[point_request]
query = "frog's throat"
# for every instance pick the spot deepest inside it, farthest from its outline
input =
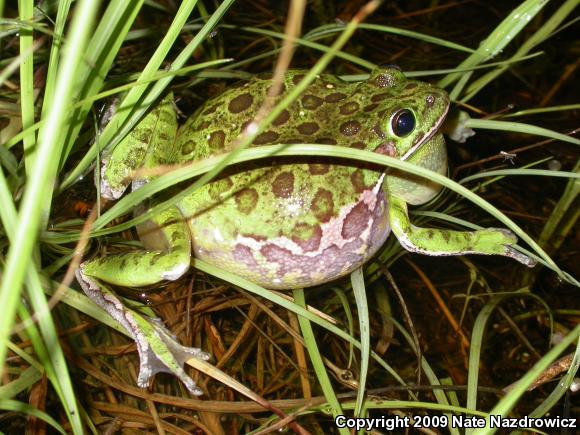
(432, 132)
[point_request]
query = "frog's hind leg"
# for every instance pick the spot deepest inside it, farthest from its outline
(429, 241)
(169, 261)
(158, 349)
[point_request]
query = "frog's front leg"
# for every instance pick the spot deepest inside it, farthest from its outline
(158, 349)
(490, 241)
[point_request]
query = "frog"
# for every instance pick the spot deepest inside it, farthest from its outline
(282, 223)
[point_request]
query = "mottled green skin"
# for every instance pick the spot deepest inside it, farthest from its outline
(301, 224)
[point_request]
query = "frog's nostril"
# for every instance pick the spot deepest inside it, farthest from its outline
(429, 100)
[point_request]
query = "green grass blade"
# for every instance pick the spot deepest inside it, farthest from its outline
(561, 388)
(538, 37)
(358, 287)
(26, 380)
(15, 406)
(502, 35)
(25, 9)
(507, 403)
(489, 124)
(317, 363)
(133, 106)
(44, 169)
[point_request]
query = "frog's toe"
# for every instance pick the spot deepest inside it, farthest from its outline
(518, 256)
(164, 354)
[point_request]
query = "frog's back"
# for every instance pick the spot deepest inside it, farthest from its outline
(330, 111)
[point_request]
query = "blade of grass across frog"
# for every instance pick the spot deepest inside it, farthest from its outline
(105, 42)
(326, 150)
(317, 362)
(489, 124)
(496, 41)
(360, 294)
(477, 335)
(542, 34)
(508, 402)
(131, 109)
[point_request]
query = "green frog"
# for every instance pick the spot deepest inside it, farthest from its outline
(287, 223)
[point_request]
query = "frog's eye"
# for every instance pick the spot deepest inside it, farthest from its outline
(403, 122)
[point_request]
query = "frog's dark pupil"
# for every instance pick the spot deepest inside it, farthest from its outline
(403, 122)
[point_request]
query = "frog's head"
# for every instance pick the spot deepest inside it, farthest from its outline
(411, 114)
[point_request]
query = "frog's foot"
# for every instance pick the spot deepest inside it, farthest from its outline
(510, 251)
(157, 347)
(440, 242)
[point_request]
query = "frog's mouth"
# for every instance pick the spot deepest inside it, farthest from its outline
(430, 134)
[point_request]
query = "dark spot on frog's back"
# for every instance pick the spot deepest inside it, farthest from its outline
(334, 97)
(283, 185)
(143, 134)
(202, 125)
(164, 136)
(282, 118)
(323, 205)
(410, 86)
(311, 102)
(370, 107)
(308, 128)
(356, 221)
(219, 187)
(350, 128)
(210, 110)
(217, 140)
(380, 97)
(246, 200)
(307, 236)
(318, 168)
(188, 147)
(155, 259)
(348, 108)
(241, 103)
(266, 138)
(358, 181)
